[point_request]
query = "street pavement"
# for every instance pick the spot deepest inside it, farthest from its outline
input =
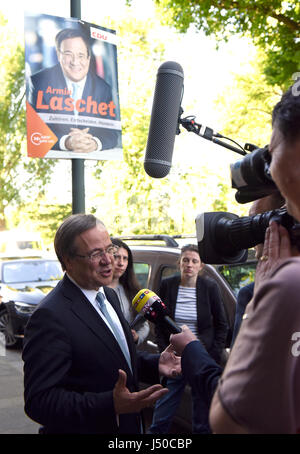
(12, 417)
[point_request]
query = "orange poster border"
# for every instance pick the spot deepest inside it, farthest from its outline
(40, 138)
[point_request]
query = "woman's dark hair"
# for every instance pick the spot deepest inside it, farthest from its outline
(190, 247)
(286, 113)
(128, 279)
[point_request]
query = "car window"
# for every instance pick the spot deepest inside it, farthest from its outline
(28, 244)
(31, 271)
(169, 271)
(142, 272)
(238, 275)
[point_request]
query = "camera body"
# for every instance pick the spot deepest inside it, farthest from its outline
(251, 176)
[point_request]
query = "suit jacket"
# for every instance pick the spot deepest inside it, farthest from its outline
(71, 362)
(211, 319)
(53, 79)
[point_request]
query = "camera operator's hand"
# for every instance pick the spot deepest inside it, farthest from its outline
(277, 247)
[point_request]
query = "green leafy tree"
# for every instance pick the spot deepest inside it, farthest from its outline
(273, 25)
(20, 176)
(139, 202)
(129, 201)
(220, 204)
(119, 192)
(245, 108)
(43, 217)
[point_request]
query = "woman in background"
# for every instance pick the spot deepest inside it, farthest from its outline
(194, 301)
(126, 286)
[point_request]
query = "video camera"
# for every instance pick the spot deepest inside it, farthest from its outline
(224, 238)
(251, 175)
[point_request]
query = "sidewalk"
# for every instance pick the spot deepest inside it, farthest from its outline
(12, 417)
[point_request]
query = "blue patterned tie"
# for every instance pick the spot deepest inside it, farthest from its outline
(102, 307)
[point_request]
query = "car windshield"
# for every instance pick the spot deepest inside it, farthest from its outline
(31, 271)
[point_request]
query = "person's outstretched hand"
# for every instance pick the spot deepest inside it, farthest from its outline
(127, 402)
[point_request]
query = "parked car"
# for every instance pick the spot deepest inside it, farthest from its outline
(155, 258)
(23, 284)
(19, 243)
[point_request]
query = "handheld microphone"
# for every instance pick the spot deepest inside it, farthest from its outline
(164, 123)
(136, 320)
(154, 310)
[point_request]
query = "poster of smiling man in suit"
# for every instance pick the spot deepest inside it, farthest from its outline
(72, 89)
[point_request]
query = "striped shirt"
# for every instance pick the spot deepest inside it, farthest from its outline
(186, 308)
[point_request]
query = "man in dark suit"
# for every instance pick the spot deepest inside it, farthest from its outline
(81, 369)
(74, 99)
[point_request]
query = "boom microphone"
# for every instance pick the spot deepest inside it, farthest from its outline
(164, 123)
(154, 310)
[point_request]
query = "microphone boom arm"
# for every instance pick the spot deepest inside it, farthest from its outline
(207, 133)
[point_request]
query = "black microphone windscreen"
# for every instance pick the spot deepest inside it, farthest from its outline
(164, 119)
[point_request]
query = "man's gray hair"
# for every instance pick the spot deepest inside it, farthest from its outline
(74, 225)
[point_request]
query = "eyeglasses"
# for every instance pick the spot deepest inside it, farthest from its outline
(96, 255)
(70, 56)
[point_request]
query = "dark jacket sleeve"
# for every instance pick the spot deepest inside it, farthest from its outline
(162, 334)
(200, 370)
(244, 296)
(219, 321)
(147, 365)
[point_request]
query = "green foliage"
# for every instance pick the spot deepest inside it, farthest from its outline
(220, 204)
(46, 219)
(139, 203)
(238, 276)
(123, 196)
(18, 173)
(272, 24)
(245, 108)
(126, 199)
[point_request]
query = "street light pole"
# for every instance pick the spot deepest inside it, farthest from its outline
(78, 189)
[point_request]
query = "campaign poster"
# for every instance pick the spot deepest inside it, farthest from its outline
(72, 96)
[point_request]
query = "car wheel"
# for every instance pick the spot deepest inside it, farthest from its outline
(5, 328)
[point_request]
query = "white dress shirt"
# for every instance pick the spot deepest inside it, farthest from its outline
(91, 296)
